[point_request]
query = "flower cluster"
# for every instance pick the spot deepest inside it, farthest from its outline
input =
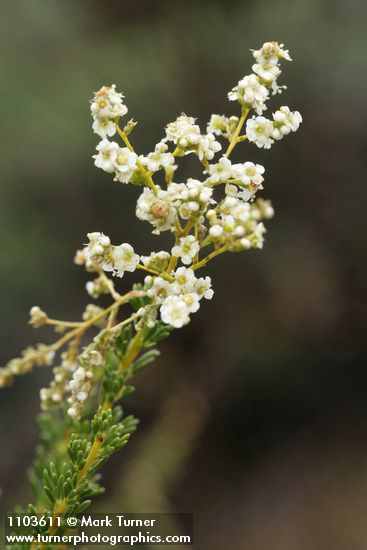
(80, 385)
(207, 215)
(38, 317)
(114, 159)
(54, 394)
(253, 91)
(247, 175)
(160, 159)
(263, 132)
(106, 108)
(199, 212)
(101, 253)
(220, 125)
(187, 137)
(180, 295)
(186, 249)
(250, 93)
(31, 357)
(267, 64)
(99, 286)
(237, 225)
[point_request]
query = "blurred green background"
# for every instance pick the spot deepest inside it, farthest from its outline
(254, 418)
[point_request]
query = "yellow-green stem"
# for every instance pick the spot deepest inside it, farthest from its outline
(145, 172)
(234, 139)
(210, 256)
(87, 324)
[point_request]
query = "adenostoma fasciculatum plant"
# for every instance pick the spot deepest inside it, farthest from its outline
(82, 424)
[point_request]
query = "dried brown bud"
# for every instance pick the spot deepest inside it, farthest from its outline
(159, 209)
(202, 231)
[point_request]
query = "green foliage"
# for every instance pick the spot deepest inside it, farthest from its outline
(143, 361)
(65, 473)
(59, 482)
(114, 380)
(158, 332)
(78, 450)
(122, 341)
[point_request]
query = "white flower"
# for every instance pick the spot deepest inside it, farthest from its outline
(117, 259)
(159, 159)
(158, 261)
(157, 209)
(177, 193)
(99, 286)
(185, 277)
(125, 165)
(175, 312)
(269, 51)
(192, 301)
(257, 237)
(183, 132)
(208, 146)
(249, 92)
(235, 210)
(221, 125)
(218, 125)
(222, 171)
(266, 66)
(98, 249)
(231, 190)
(215, 231)
(104, 127)
(108, 103)
(285, 121)
(181, 297)
(187, 249)
(124, 259)
(202, 287)
(260, 130)
(160, 288)
(107, 154)
(190, 198)
(248, 173)
(112, 158)
(195, 198)
(268, 71)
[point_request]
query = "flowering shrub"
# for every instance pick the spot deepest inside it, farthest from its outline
(207, 217)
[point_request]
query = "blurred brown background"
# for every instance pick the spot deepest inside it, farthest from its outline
(255, 416)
